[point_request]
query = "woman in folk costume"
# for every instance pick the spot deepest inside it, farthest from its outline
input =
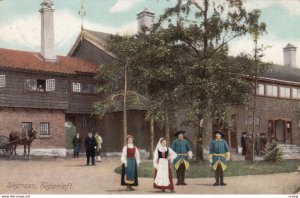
(218, 155)
(99, 142)
(162, 162)
(130, 161)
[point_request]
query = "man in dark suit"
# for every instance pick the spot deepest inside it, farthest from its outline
(243, 143)
(90, 146)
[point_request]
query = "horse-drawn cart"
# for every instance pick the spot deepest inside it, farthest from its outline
(6, 147)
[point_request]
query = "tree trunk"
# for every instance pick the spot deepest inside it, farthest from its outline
(199, 154)
(151, 138)
(167, 129)
(125, 105)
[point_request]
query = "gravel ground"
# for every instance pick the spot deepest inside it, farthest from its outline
(71, 176)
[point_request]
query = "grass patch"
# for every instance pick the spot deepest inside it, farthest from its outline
(235, 168)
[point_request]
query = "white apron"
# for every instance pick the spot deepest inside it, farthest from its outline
(162, 176)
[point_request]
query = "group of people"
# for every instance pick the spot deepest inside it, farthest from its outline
(92, 146)
(260, 143)
(177, 155)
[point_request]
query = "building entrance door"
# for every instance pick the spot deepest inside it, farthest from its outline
(281, 130)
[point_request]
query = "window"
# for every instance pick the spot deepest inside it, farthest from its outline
(260, 90)
(249, 120)
(285, 92)
(76, 87)
(40, 85)
(50, 85)
(272, 90)
(45, 129)
(26, 126)
(295, 93)
(2, 81)
(84, 88)
(88, 121)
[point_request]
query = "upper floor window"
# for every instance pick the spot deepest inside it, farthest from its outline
(272, 90)
(295, 93)
(260, 89)
(40, 84)
(285, 92)
(2, 81)
(79, 87)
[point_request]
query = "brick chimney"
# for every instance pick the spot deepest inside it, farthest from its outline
(289, 55)
(47, 31)
(145, 18)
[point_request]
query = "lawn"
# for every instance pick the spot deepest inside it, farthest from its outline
(235, 168)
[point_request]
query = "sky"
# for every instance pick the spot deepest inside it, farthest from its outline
(20, 23)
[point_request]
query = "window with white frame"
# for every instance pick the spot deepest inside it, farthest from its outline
(260, 89)
(2, 81)
(50, 85)
(45, 128)
(272, 90)
(284, 92)
(76, 87)
(295, 93)
(88, 88)
(40, 84)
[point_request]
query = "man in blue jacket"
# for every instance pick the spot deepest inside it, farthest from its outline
(218, 155)
(182, 149)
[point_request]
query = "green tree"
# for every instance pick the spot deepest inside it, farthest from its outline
(273, 152)
(213, 81)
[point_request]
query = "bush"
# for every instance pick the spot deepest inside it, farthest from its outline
(70, 131)
(273, 152)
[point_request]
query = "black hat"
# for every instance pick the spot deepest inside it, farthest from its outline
(244, 133)
(220, 132)
(179, 132)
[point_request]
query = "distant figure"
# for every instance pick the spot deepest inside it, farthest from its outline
(99, 142)
(257, 144)
(243, 143)
(76, 144)
(263, 143)
(90, 146)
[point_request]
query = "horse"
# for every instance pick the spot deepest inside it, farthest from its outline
(22, 139)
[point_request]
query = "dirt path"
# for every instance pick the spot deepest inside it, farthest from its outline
(71, 176)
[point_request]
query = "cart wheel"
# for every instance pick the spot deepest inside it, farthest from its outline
(6, 152)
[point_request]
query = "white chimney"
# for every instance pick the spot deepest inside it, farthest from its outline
(47, 31)
(289, 55)
(145, 19)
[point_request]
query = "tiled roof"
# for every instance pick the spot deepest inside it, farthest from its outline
(281, 72)
(26, 60)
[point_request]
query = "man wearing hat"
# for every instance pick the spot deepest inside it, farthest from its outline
(243, 143)
(90, 146)
(218, 155)
(182, 148)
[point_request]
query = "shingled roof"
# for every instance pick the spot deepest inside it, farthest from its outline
(32, 61)
(285, 73)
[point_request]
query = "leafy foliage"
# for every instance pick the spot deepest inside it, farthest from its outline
(273, 152)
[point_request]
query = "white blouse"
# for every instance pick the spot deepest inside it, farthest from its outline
(124, 154)
(172, 155)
